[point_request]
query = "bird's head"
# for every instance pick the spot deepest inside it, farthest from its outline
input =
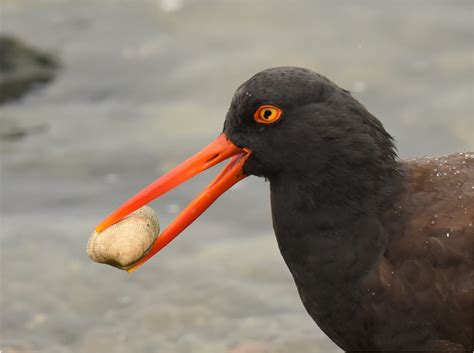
(294, 120)
(282, 121)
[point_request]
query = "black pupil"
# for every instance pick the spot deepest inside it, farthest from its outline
(267, 113)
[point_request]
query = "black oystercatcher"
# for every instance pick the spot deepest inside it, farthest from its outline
(381, 249)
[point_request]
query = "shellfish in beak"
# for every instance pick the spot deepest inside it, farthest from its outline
(124, 243)
(222, 148)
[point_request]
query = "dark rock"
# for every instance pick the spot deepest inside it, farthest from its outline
(22, 68)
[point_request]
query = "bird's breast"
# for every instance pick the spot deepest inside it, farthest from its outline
(327, 258)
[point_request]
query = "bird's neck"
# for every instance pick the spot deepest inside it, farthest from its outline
(331, 234)
(332, 226)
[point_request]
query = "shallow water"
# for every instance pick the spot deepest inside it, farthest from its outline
(145, 84)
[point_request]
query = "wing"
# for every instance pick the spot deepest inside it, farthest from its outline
(424, 283)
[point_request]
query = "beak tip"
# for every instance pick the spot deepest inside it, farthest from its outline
(132, 269)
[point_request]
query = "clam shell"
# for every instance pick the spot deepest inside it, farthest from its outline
(125, 242)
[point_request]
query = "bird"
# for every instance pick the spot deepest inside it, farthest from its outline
(380, 248)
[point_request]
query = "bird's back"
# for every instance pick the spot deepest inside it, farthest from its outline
(424, 283)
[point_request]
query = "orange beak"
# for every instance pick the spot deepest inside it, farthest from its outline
(220, 149)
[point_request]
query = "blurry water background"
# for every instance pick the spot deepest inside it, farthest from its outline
(143, 85)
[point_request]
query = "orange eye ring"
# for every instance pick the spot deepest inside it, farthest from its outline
(267, 114)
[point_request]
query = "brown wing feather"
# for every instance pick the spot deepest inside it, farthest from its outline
(425, 281)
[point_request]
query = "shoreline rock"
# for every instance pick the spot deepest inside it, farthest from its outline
(23, 68)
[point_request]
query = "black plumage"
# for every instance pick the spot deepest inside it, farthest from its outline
(381, 249)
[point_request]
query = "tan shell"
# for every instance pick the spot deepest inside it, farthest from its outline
(125, 242)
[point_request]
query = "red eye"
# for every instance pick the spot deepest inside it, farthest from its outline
(267, 114)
